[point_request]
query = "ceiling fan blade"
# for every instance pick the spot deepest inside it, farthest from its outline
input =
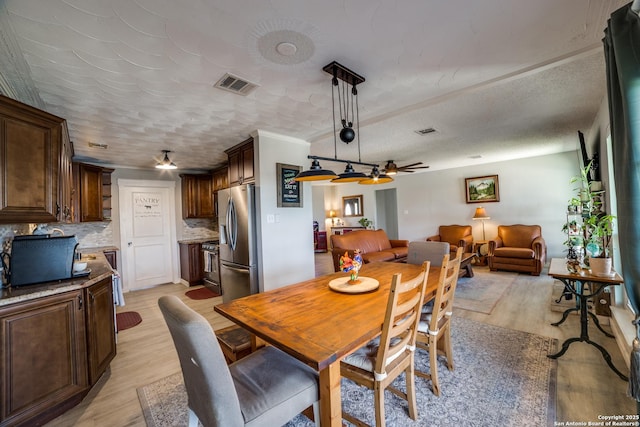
(417, 167)
(409, 166)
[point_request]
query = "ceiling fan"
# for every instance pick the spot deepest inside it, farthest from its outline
(391, 168)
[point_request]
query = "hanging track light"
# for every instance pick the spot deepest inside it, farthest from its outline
(348, 110)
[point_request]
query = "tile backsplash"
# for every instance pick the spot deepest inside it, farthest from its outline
(89, 234)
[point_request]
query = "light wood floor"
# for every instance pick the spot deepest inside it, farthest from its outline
(586, 386)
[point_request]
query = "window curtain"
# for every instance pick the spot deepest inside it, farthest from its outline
(622, 54)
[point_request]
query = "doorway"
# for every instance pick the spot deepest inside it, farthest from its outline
(387, 212)
(147, 233)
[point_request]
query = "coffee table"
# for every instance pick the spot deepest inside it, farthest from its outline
(465, 264)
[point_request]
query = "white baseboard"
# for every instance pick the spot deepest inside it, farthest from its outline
(623, 330)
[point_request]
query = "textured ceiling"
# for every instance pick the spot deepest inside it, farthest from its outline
(498, 79)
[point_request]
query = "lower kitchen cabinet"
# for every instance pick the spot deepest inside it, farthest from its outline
(192, 263)
(101, 334)
(44, 358)
(53, 350)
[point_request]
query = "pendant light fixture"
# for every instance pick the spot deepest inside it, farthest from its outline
(343, 83)
(376, 178)
(166, 163)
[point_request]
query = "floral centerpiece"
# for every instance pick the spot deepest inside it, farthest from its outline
(351, 265)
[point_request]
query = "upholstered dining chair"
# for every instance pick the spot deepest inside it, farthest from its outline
(266, 388)
(419, 252)
(434, 329)
(378, 363)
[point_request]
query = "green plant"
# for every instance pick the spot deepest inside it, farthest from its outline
(366, 223)
(600, 230)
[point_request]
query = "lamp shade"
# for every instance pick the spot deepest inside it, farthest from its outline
(349, 175)
(315, 173)
(166, 163)
(481, 213)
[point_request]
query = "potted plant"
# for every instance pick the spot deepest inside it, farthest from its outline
(600, 231)
(366, 223)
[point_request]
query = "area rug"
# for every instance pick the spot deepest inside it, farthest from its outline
(202, 293)
(501, 377)
(482, 292)
(127, 320)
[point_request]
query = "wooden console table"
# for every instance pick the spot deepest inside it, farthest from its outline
(575, 283)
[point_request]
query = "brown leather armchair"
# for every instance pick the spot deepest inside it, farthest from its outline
(518, 248)
(456, 235)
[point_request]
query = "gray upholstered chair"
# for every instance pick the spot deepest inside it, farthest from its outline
(436, 326)
(433, 252)
(381, 361)
(266, 388)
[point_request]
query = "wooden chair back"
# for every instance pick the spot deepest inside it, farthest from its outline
(401, 321)
(443, 305)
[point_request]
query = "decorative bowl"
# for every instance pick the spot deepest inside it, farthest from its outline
(79, 266)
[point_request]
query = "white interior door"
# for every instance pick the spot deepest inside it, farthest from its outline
(147, 231)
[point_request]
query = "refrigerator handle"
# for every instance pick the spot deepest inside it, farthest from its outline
(232, 224)
(236, 270)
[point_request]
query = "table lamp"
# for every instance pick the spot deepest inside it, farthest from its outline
(332, 215)
(481, 214)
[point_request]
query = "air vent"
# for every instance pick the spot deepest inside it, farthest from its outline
(235, 84)
(425, 131)
(96, 145)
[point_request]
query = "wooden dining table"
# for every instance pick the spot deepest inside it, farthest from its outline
(320, 326)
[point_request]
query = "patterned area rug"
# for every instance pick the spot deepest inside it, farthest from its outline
(202, 293)
(501, 377)
(482, 292)
(127, 320)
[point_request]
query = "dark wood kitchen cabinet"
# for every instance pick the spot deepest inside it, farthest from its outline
(197, 196)
(66, 178)
(43, 358)
(241, 168)
(92, 185)
(101, 334)
(192, 263)
(220, 178)
(30, 150)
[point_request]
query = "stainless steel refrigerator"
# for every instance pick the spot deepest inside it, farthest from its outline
(238, 251)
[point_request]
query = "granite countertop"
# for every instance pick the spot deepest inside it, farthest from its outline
(99, 267)
(199, 240)
(91, 250)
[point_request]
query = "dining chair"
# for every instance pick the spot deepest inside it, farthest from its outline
(433, 252)
(434, 329)
(381, 361)
(265, 388)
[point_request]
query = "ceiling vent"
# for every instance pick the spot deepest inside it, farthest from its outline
(235, 84)
(425, 131)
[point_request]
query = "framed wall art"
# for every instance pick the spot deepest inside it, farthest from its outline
(289, 191)
(482, 189)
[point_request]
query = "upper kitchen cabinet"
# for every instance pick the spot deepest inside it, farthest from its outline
(93, 189)
(220, 178)
(241, 163)
(66, 177)
(197, 196)
(30, 150)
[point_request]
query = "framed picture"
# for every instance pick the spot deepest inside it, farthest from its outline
(289, 191)
(352, 206)
(482, 189)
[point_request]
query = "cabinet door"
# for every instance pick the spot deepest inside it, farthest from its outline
(247, 163)
(101, 335)
(191, 263)
(112, 258)
(189, 192)
(235, 168)
(44, 357)
(205, 197)
(220, 179)
(66, 178)
(90, 193)
(30, 143)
